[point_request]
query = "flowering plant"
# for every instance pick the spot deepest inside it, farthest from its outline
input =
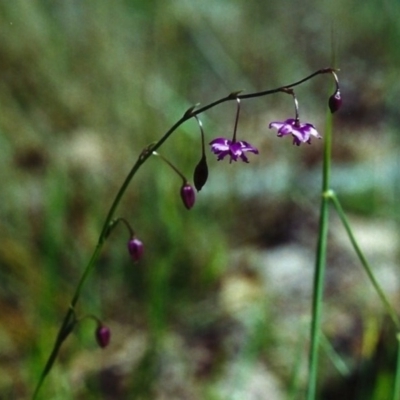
(236, 150)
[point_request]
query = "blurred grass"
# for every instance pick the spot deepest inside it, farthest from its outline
(84, 87)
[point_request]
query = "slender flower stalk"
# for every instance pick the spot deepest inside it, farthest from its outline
(236, 120)
(125, 222)
(295, 101)
(187, 193)
(320, 264)
(171, 165)
(69, 319)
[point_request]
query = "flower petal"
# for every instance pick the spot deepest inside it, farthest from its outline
(246, 146)
(286, 129)
(221, 141)
(276, 125)
(310, 129)
(222, 154)
(244, 158)
(298, 134)
(220, 144)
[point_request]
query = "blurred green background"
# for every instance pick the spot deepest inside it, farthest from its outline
(219, 306)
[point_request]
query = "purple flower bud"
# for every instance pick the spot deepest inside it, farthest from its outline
(103, 335)
(335, 101)
(135, 248)
(200, 174)
(188, 196)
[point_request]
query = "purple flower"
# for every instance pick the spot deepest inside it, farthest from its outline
(135, 248)
(301, 132)
(103, 335)
(187, 195)
(223, 147)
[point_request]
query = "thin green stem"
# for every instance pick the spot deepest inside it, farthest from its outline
(236, 120)
(319, 275)
(335, 358)
(69, 319)
(203, 149)
(389, 309)
(171, 165)
(65, 327)
(233, 96)
(68, 322)
(114, 223)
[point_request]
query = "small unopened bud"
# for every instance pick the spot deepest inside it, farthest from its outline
(103, 335)
(135, 248)
(200, 174)
(187, 195)
(335, 101)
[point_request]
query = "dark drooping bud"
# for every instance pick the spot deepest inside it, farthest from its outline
(187, 195)
(135, 248)
(103, 335)
(200, 173)
(335, 101)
